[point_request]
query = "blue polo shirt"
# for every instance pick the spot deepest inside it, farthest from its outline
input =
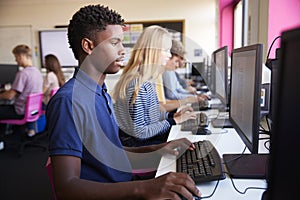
(81, 122)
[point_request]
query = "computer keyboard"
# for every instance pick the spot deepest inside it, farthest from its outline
(201, 105)
(222, 121)
(203, 164)
(200, 121)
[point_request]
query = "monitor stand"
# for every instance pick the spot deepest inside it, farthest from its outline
(246, 166)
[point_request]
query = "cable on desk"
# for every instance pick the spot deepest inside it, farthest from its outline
(262, 129)
(213, 192)
(268, 124)
(265, 144)
(248, 188)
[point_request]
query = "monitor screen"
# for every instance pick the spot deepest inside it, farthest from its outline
(244, 113)
(8, 73)
(221, 74)
(284, 151)
(56, 42)
(198, 69)
(246, 75)
(211, 77)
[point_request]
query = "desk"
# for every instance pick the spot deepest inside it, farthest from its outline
(228, 142)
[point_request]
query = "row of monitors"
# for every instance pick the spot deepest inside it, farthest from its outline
(239, 86)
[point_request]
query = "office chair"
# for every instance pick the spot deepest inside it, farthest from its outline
(144, 173)
(33, 111)
(49, 172)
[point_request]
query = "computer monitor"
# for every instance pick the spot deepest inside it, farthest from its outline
(221, 75)
(244, 113)
(285, 138)
(198, 71)
(211, 76)
(7, 73)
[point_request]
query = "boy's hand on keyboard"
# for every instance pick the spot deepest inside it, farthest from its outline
(171, 186)
(177, 147)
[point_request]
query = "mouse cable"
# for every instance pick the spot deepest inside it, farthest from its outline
(213, 192)
(247, 188)
(268, 124)
(265, 144)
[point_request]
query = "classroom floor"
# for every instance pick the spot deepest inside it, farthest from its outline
(25, 176)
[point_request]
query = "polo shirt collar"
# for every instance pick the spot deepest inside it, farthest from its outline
(85, 80)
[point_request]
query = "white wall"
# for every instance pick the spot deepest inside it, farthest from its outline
(199, 15)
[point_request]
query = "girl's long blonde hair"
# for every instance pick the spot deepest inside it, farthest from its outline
(145, 60)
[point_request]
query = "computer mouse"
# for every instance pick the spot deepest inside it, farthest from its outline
(195, 198)
(201, 131)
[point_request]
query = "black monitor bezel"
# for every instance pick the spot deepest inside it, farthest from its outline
(285, 129)
(10, 69)
(223, 99)
(252, 146)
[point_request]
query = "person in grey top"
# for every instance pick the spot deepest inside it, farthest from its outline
(172, 87)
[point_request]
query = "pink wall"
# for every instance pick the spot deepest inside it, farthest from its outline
(283, 15)
(226, 23)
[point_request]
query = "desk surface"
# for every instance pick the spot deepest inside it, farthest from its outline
(225, 141)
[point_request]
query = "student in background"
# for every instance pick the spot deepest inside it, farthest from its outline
(178, 49)
(137, 107)
(27, 81)
(87, 157)
(172, 87)
(54, 76)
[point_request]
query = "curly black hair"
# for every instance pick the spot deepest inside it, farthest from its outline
(87, 22)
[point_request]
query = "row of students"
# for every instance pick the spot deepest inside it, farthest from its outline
(141, 121)
(29, 80)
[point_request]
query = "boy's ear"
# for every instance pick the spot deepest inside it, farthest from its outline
(87, 45)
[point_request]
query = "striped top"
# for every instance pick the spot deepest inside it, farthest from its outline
(143, 119)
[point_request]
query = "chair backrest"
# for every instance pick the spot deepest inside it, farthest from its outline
(54, 90)
(33, 107)
(33, 110)
(49, 172)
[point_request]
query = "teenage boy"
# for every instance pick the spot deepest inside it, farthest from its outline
(87, 157)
